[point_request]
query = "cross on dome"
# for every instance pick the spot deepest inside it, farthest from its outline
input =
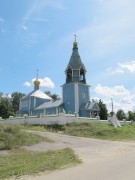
(37, 82)
(75, 43)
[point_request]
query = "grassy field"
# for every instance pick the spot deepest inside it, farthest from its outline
(20, 163)
(94, 130)
(100, 131)
(11, 136)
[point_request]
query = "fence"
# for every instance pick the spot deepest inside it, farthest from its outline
(59, 119)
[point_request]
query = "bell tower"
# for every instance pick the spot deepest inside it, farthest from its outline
(75, 90)
(75, 71)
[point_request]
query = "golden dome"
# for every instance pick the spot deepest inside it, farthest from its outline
(75, 44)
(36, 82)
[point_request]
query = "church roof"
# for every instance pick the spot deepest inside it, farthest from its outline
(38, 94)
(90, 106)
(50, 104)
(75, 59)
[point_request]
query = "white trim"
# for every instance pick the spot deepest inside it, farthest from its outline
(44, 111)
(34, 102)
(62, 92)
(76, 98)
(56, 110)
(89, 93)
(68, 84)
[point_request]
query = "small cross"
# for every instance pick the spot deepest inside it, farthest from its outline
(37, 73)
(75, 37)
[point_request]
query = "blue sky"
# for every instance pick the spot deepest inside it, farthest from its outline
(38, 34)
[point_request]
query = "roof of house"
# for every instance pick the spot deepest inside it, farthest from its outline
(50, 104)
(38, 94)
(90, 106)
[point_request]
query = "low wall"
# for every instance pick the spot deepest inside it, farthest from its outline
(59, 119)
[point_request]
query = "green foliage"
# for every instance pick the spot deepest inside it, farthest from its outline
(95, 130)
(11, 137)
(6, 109)
(16, 100)
(53, 96)
(9, 106)
(120, 114)
(103, 110)
(26, 162)
(131, 116)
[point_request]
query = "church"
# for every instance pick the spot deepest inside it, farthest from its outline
(75, 94)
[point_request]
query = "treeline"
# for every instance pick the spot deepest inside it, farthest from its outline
(9, 106)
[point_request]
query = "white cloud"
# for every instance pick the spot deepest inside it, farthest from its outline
(24, 27)
(113, 29)
(39, 6)
(1, 20)
(2, 25)
(114, 70)
(28, 84)
(128, 66)
(7, 96)
(111, 91)
(45, 82)
(122, 98)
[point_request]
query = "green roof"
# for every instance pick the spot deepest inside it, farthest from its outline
(75, 60)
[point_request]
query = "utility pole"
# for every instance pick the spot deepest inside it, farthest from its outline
(112, 105)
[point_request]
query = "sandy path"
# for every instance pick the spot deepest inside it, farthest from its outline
(102, 160)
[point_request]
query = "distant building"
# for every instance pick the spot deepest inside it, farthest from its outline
(75, 94)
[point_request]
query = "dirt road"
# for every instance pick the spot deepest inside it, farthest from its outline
(102, 160)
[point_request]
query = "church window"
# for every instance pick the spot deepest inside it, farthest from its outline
(69, 75)
(82, 75)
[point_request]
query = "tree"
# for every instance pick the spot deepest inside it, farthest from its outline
(6, 109)
(53, 96)
(120, 114)
(16, 100)
(103, 110)
(131, 116)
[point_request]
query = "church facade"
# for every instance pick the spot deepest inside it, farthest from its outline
(75, 94)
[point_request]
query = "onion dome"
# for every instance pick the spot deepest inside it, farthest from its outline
(36, 82)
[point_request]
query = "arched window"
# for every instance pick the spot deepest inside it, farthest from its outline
(69, 74)
(82, 75)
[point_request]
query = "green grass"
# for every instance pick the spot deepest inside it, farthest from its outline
(35, 128)
(11, 136)
(20, 163)
(94, 130)
(100, 131)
